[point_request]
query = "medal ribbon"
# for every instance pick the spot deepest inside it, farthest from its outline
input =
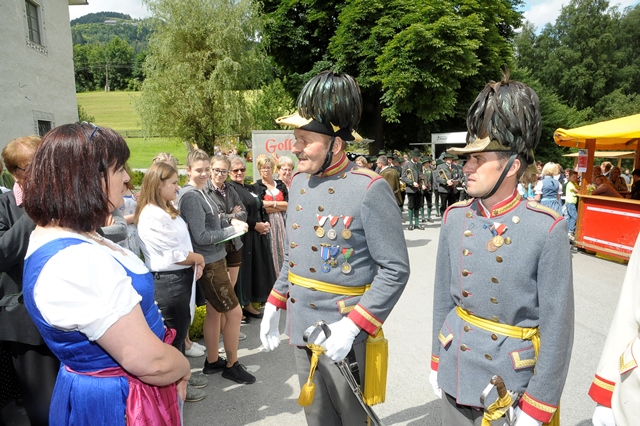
(324, 252)
(321, 220)
(333, 220)
(346, 220)
(498, 228)
(347, 252)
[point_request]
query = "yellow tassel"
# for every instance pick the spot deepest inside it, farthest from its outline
(308, 390)
(375, 375)
(496, 410)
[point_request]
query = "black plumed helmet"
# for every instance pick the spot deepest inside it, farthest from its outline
(504, 117)
(330, 103)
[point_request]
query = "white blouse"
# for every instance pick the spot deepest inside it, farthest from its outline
(163, 241)
(84, 287)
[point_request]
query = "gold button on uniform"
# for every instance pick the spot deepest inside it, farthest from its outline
(293, 245)
(298, 208)
(495, 318)
(515, 219)
(487, 356)
(320, 208)
(342, 176)
(465, 293)
(494, 300)
(466, 328)
(293, 300)
(465, 272)
(465, 252)
(499, 259)
(331, 191)
(291, 264)
(469, 215)
(295, 226)
(494, 337)
(507, 240)
(463, 347)
(494, 280)
(313, 270)
(312, 305)
(302, 191)
(314, 248)
(467, 233)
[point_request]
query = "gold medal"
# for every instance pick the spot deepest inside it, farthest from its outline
(319, 231)
(346, 268)
(490, 246)
(331, 233)
(346, 234)
(498, 241)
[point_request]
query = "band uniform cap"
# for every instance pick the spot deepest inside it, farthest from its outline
(427, 159)
(416, 153)
(447, 154)
(298, 122)
(400, 159)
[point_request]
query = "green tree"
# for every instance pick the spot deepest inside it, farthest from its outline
(419, 63)
(119, 60)
(202, 56)
(272, 101)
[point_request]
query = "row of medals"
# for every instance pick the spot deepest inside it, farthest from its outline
(332, 235)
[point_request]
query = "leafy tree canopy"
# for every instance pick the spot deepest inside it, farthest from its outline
(419, 63)
(202, 57)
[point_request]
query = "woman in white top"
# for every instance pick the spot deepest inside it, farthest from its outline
(164, 240)
(91, 299)
(166, 245)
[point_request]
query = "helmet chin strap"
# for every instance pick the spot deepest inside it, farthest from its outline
(327, 159)
(502, 176)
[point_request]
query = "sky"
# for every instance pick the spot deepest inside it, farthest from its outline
(539, 12)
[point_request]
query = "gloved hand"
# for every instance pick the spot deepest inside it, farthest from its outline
(603, 416)
(338, 345)
(523, 419)
(270, 327)
(433, 380)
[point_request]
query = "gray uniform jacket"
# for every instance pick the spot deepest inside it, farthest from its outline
(412, 172)
(527, 282)
(440, 172)
(379, 253)
(203, 220)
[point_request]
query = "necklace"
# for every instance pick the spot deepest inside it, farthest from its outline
(94, 236)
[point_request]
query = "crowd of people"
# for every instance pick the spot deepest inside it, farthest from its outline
(101, 282)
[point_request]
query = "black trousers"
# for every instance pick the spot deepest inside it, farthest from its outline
(446, 199)
(415, 200)
(429, 198)
(173, 293)
(37, 370)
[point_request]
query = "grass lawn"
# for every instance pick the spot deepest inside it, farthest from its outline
(143, 151)
(111, 109)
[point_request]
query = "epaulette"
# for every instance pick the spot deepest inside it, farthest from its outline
(365, 172)
(464, 203)
(537, 207)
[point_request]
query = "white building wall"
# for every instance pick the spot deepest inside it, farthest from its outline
(36, 80)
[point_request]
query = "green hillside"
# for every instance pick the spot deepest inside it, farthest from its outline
(115, 110)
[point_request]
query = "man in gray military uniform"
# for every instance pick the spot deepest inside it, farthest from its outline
(445, 176)
(503, 298)
(339, 267)
(414, 179)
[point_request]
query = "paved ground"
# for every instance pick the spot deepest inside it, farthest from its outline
(272, 400)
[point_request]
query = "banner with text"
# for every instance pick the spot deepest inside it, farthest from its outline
(275, 143)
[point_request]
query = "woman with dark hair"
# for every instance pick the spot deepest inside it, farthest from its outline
(92, 300)
(35, 365)
(256, 274)
(275, 196)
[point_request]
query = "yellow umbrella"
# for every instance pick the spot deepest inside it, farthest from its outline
(619, 134)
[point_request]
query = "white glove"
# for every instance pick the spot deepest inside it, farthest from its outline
(338, 345)
(523, 419)
(433, 380)
(270, 327)
(603, 416)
